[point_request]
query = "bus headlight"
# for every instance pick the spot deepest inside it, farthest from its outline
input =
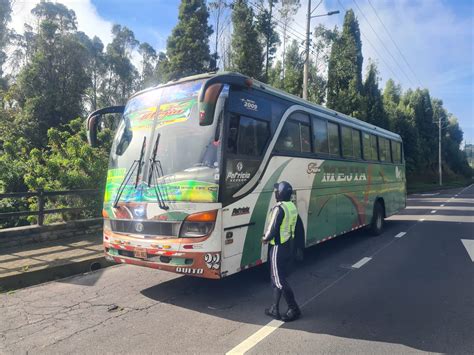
(198, 225)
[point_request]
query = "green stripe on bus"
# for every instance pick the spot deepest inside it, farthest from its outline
(253, 239)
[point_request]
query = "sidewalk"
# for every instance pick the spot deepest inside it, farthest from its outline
(40, 262)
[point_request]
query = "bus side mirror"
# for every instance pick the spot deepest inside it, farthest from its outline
(207, 103)
(94, 119)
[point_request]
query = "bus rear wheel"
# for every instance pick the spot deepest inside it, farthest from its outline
(376, 225)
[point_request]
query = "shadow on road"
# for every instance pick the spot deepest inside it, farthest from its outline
(366, 312)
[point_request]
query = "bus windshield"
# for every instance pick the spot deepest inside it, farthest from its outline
(187, 153)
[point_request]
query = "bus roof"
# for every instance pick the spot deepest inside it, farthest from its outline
(338, 116)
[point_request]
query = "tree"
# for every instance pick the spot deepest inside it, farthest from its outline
(97, 66)
(401, 121)
(293, 80)
(188, 44)
(246, 54)
(317, 78)
(218, 9)
(161, 68)
(51, 86)
(121, 76)
(267, 28)
(287, 11)
(345, 69)
(420, 102)
(5, 16)
(373, 110)
(149, 62)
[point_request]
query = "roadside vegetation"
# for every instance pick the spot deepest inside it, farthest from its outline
(52, 75)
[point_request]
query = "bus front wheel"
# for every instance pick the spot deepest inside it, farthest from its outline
(376, 225)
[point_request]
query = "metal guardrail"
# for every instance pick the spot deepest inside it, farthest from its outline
(42, 196)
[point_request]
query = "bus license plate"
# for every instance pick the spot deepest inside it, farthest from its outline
(140, 253)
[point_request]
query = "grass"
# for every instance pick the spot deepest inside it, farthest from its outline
(448, 183)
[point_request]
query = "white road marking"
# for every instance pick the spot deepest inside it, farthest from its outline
(469, 245)
(256, 338)
(442, 205)
(361, 263)
(434, 211)
(430, 194)
(401, 234)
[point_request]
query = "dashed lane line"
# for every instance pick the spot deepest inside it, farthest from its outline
(434, 211)
(361, 262)
(256, 338)
(401, 234)
(469, 245)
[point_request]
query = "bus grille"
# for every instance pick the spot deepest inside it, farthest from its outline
(149, 228)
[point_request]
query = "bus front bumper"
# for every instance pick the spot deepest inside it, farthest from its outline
(194, 263)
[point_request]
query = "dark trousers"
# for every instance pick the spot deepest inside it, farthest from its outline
(278, 257)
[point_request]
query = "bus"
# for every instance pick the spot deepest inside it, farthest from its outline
(193, 165)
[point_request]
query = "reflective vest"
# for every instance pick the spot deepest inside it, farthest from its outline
(288, 225)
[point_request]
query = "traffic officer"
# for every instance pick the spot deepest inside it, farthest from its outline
(279, 232)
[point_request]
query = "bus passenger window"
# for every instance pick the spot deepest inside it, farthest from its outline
(320, 134)
(247, 136)
(370, 146)
(333, 138)
(233, 131)
(289, 139)
(305, 138)
(397, 152)
(356, 143)
(373, 147)
(347, 147)
(384, 149)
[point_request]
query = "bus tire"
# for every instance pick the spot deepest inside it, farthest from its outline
(377, 223)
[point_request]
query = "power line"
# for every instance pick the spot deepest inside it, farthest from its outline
(393, 41)
(260, 8)
(382, 42)
(373, 47)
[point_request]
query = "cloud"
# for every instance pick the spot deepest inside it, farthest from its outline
(88, 20)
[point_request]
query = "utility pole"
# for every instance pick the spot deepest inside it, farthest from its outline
(268, 39)
(439, 154)
(307, 45)
(306, 60)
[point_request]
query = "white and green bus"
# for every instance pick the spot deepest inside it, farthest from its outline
(193, 164)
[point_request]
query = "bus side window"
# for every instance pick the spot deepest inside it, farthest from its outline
(397, 152)
(333, 138)
(370, 146)
(289, 139)
(247, 136)
(373, 148)
(305, 138)
(384, 149)
(356, 143)
(295, 135)
(233, 134)
(347, 145)
(320, 134)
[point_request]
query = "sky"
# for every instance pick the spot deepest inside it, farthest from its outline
(418, 43)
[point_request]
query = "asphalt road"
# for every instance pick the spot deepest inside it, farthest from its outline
(396, 293)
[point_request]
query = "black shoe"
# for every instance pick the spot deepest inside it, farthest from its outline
(291, 315)
(273, 312)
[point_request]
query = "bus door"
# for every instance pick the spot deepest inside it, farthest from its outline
(248, 132)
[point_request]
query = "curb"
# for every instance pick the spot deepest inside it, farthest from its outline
(31, 278)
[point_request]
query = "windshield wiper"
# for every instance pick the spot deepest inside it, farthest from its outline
(136, 164)
(156, 168)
